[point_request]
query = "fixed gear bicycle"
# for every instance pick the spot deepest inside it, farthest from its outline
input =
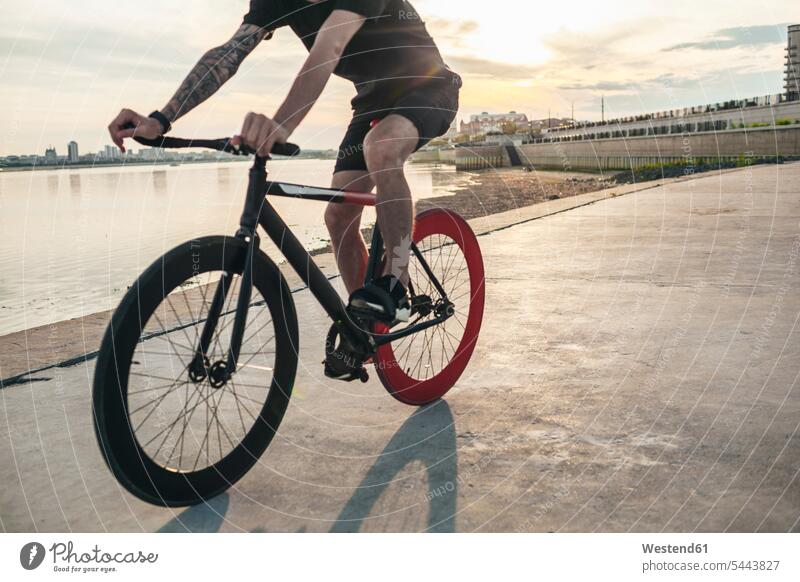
(197, 365)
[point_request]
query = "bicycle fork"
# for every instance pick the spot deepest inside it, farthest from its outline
(220, 372)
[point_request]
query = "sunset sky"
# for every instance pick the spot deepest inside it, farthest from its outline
(66, 67)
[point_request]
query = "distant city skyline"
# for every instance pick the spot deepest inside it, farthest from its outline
(69, 67)
(109, 151)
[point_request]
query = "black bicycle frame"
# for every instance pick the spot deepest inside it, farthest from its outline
(258, 211)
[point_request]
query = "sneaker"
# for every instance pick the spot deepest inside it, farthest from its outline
(384, 299)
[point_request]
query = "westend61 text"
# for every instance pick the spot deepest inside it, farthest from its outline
(65, 553)
(670, 549)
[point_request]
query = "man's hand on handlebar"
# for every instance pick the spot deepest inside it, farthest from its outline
(260, 133)
(146, 127)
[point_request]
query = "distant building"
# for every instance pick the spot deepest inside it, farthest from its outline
(152, 154)
(453, 131)
(484, 123)
(72, 152)
(779, 109)
(754, 112)
(548, 123)
(111, 153)
(50, 155)
(791, 83)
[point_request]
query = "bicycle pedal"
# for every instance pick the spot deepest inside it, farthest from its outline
(343, 361)
(346, 375)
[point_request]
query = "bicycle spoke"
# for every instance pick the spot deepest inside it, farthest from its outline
(425, 354)
(184, 425)
(258, 352)
(140, 374)
(174, 423)
(160, 398)
(464, 294)
(238, 406)
(149, 353)
(408, 348)
(247, 410)
(451, 256)
(191, 414)
(150, 389)
(170, 427)
(149, 414)
(242, 396)
(216, 419)
(180, 323)
(165, 336)
(421, 355)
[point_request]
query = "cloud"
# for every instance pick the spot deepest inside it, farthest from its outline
(604, 86)
(568, 55)
(453, 32)
(740, 36)
(478, 67)
(457, 28)
(653, 83)
(72, 50)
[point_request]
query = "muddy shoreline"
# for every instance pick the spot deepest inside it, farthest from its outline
(489, 192)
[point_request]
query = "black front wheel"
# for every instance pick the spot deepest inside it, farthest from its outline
(173, 436)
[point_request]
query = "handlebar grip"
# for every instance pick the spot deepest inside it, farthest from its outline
(286, 149)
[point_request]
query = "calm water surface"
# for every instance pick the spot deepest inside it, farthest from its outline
(74, 240)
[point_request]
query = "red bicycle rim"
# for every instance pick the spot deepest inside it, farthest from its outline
(399, 382)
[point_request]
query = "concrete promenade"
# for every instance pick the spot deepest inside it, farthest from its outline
(637, 371)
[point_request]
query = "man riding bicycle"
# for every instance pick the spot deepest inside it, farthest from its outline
(406, 96)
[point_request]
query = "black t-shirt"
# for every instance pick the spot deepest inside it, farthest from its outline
(391, 52)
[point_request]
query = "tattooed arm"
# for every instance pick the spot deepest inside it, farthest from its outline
(209, 74)
(213, 70)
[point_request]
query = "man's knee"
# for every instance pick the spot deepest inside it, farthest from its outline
(389, 144)
(334, 219)
(381, 157)
(341, 219)
(387, 150)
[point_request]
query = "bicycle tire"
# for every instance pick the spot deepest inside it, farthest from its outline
(402, 381)
(121, 449)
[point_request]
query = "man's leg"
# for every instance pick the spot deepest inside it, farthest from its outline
(344, 226)
(386, 148)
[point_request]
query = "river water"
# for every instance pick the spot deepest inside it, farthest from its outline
(74, 240)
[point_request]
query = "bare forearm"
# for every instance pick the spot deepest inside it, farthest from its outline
(305, 91)
(261, 132)
(212, 71)
(328, 48)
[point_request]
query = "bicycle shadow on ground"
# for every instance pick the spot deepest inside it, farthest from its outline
(204, 518)
(429, 436)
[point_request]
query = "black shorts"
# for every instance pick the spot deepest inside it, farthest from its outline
(431, 107)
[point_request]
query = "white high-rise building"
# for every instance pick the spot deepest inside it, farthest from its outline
(111, 153)
(72, 152)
